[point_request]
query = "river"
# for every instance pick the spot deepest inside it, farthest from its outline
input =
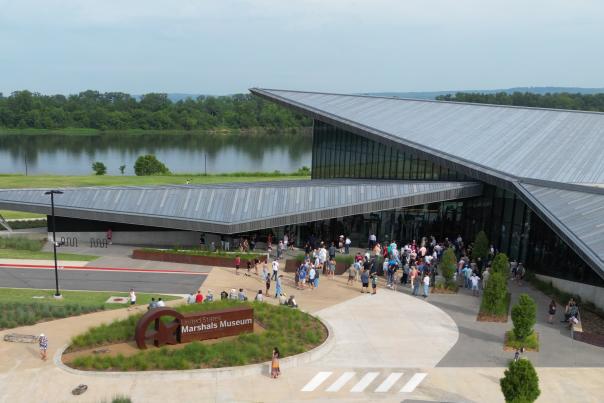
(186, 153)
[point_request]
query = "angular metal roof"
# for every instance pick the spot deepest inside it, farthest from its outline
(551, 158)
(236, 207)
(580, 212)
(516, 142)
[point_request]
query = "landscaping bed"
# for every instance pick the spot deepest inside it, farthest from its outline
(501, 317)
(15, 247)
(24, 224)
(199, 257)
(291, 330)
(23, 307)
(530, 344)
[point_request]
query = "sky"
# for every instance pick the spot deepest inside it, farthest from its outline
(227, 46)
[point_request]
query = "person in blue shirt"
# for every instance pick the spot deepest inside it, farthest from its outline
(365, 282)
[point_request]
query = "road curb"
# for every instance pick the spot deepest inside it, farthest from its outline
(210, 373)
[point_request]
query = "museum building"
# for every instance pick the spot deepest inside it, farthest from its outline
(532, 178)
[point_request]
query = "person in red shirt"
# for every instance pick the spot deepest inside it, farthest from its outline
(198, 298)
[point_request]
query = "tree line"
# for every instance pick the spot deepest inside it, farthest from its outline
(563, 100)
(154, 111)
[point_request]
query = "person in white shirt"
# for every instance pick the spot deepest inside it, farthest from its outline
(160, 303)
(347, 244)
(311, 277)
(275, 265)
(259, 296)
(474, 280)
(426, 282)
(132, 297)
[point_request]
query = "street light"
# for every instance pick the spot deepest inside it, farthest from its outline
(52, 194)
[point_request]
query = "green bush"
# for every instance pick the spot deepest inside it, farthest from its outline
(448, 266)
(21, 243)
(22, 314)
(121, 399)
(520, 383)
(501, 264)
(494, 297)
(524, 316)
(99, 168)
(480, 247)
(146, 165)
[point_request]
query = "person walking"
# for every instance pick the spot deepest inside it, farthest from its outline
(43, 345)
(268, 284)
(426, 282)
(275, 370)
(374, 284)
(474, 280)
(351, 275)
(237, 264)
(275, 266)
(132, 298)
(551, 311)
(278, 289)
(311, 277)
(347, 244)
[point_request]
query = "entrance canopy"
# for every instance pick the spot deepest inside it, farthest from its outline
(236, 207)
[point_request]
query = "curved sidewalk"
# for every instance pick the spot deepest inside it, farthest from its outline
(368, 331)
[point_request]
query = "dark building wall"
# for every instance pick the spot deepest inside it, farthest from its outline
(341, 154)
(510, 225)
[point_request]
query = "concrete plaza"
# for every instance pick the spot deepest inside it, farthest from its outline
(385, 347)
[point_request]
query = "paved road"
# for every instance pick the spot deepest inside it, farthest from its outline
(102, 280)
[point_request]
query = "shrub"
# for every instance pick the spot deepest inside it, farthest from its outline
(99, 168)
(520, 383)
(146, 165)
(122, 169)
(21, 243)
(501, 264)
(494, 297)
(480, 248)
(524, 316)
(448, 265)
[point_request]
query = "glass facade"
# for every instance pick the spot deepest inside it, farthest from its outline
(509, 223)
(338, 153)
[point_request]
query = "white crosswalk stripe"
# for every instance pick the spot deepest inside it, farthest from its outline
(415, 380)
(341, 381)
(389, 382)
(364, 382)
(316, 381)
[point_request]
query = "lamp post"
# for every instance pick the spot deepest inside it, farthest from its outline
(52, 194)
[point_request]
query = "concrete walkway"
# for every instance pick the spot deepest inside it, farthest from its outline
(388, 347)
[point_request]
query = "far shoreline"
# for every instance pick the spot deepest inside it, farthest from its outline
(252, 132)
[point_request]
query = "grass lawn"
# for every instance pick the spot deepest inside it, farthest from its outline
(19, 308)
(291, 330)
(17, 215)
(51, 181)
(41, 255)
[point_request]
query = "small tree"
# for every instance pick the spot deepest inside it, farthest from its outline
(501, 264)
(480, 248)
(122, 169)
(448, 265)
(520, 383)
(99, 168)
(494, 297)
(524, 316)
(149, 165)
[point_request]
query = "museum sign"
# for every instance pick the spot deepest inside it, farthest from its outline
(184, 328)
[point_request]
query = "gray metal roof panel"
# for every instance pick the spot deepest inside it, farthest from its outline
(579, 215)
(257, 205)
(554, 145)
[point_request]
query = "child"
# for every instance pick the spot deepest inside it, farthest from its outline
(374, 283)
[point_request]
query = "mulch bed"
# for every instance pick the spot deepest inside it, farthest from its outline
(485, 317)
